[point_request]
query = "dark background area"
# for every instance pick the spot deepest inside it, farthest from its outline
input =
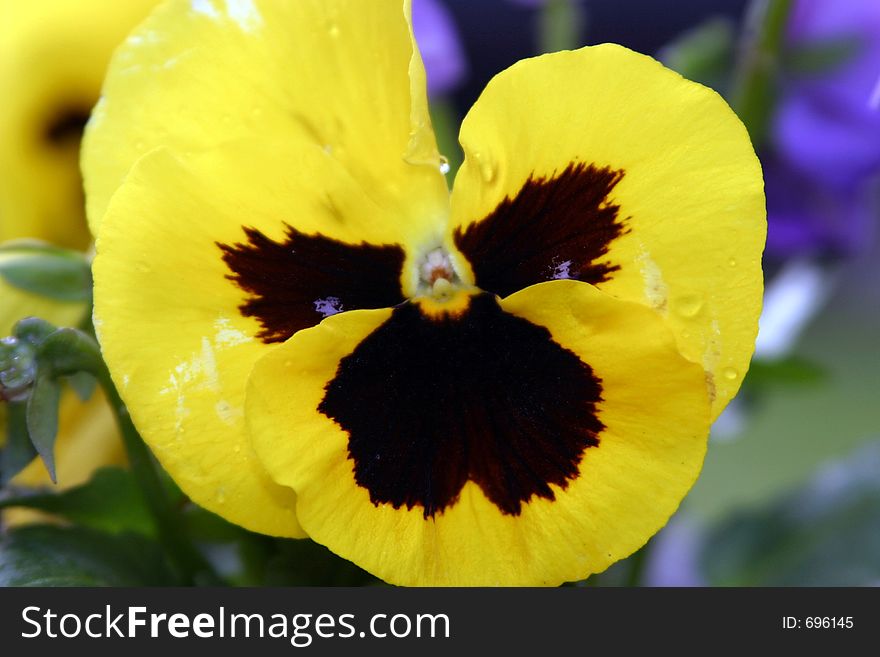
(497, 33)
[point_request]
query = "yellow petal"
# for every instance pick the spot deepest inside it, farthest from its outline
(340, 77)
(53, 54)
(600, 164)
(438, 395)
(169, 321)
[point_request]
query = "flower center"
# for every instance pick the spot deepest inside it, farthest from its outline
(438, 278)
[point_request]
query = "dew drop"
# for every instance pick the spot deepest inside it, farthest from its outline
(236, 449)
(333, 29)
(221, 497)
(487, 168)
(730, 374)
(689, 305)
(732, 262)
(444, 165)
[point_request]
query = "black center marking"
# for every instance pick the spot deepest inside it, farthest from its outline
(431, 403)
(66, 126)
(294, 284)
(555, 227)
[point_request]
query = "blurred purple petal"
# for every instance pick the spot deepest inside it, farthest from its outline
(826, 125)
(826, 141)
(674, 556)
(438, 42)
(809, 219)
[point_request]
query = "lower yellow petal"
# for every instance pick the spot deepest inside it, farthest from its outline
(653, 411)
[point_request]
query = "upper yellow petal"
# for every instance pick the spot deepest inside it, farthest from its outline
(682, 182)
(342, 76)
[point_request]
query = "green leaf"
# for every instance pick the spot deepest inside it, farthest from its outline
(83, 385)
(791, 371)
(703, 54)
(42, 418)
(48, 271)
(302, 562)
(111, 501)
(825, 534)
(19, 451)
(47, 555)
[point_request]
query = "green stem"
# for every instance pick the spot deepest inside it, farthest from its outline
(753, 91)
(72, 352)
(189, 562)
(637, 564)
(560, 25)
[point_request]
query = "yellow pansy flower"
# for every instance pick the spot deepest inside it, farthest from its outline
(511, 383)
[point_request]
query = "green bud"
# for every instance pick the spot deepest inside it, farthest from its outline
(18, 369)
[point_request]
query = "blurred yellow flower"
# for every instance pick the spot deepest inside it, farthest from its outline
(53, 56)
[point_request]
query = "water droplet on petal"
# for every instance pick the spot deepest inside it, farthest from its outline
(487, 167)
(732, 262)
(689, 305)
(730, 374)
(333, 29)
(444, 165)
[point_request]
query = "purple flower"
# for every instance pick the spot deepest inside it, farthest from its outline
(828, 122)
(442, 53)
(825, 140)
(815, 220)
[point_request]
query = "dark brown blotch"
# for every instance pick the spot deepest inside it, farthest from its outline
(430, 403)
(294, 283)
(556, 227)
(66, 126)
